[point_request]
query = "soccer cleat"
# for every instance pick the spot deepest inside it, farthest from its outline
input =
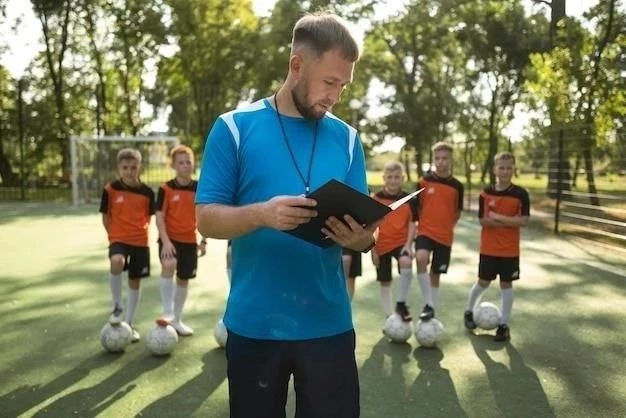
(428, 313)
(116, 315)
(182, 329)
(403, 311)
(136, 337)
(503, 333)
(468, 318)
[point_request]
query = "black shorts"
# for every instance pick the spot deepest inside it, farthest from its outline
(356, 267)
(383, 271)
(186, 259)
(136, 259)
(490, 267)
(324, 370)
(441, 253)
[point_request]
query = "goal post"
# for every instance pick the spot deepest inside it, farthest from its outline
(93, 162)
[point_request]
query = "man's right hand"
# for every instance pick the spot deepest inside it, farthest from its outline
(287, 212)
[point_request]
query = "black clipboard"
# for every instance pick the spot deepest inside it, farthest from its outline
(337, 199)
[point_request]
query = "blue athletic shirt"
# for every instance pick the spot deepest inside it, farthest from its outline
(282, 288)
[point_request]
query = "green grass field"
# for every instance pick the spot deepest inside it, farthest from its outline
(566, 357)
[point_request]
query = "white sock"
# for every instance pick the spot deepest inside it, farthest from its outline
(386, 299)
(507, 304)
(167, 295)
(474, 296)
(115, 282)
(180, 296)
(424, 281)
(404, 282)
(131, 305)
(434, 296)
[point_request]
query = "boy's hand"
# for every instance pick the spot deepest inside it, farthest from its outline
(202, 248)
(407, 250)
(168, 250)
(375, 258)
(353, 236)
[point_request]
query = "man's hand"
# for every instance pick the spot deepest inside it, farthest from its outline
(353, 236)
(287, 212)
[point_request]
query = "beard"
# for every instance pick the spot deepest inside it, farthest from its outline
(300, 102)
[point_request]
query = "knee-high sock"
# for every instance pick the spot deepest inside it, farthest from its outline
(131, 305)
(424, 281)
(507, 304)
(386, 299)
(404, 282)
(167, 295)
(434, 296)
(179, 302)
(474, 296)
(115, 282)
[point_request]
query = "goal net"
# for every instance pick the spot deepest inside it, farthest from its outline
(94, 162)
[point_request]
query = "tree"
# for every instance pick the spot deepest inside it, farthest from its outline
(55, 19)
(500, 38)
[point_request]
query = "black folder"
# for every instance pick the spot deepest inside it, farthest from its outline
(337, 199)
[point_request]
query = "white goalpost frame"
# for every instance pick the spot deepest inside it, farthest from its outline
(75, 155)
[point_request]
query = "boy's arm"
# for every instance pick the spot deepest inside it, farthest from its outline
(410, 236)
(497, 219)
(105, 222)
(104, 208)
(160, 216)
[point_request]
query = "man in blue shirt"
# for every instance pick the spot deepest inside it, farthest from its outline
(288, 311)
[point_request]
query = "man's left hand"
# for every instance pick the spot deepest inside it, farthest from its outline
(350, 234)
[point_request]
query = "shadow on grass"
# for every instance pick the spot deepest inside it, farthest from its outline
(91, 401)
(435, 386)
(382, 381)
(516, 389)
(188, 398)
(26, 397)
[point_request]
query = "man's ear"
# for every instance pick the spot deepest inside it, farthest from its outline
(296, 65)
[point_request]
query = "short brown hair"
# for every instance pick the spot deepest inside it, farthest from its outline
(392, 166)
(128, 154)
(442, 146)
(181, 149)
(323, 31)
(504, 155)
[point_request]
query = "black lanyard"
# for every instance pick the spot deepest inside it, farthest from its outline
(306, 182)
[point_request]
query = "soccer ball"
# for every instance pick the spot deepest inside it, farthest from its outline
(115, 337)
(162, 339)
(428, 333)
(487, 316)
(220, 333)
(397, 330)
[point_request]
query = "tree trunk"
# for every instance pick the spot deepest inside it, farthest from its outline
(557, 13)
(576, 169)
(593, 191)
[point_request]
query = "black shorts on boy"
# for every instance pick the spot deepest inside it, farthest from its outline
(186, 259)
(440, 253)
(136, 259)
(490, 267)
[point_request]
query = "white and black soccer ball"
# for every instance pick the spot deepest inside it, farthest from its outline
(220, 333)
(397, 330)
(487, 316)
(116, 337)
(161, 339)
(429, 333)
